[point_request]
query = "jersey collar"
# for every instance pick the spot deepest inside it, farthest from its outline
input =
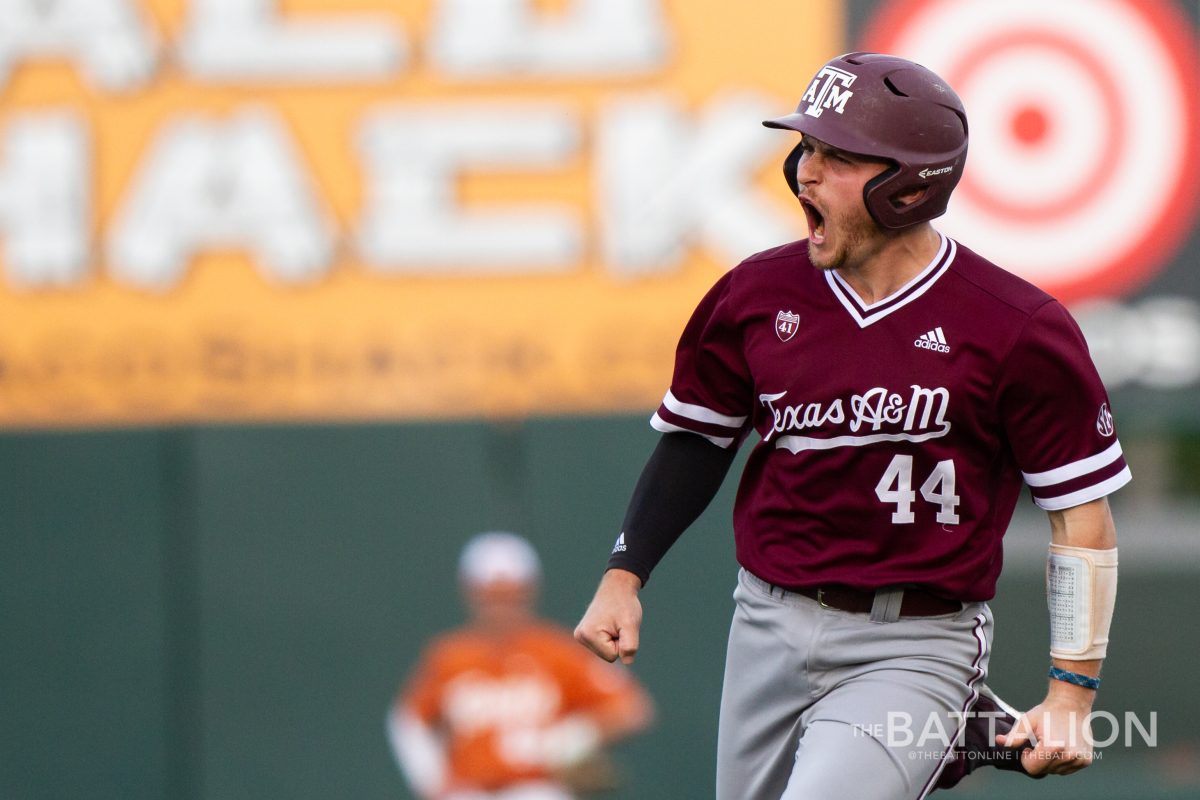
(865, 314)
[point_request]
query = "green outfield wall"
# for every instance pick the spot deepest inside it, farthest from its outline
(194, 614)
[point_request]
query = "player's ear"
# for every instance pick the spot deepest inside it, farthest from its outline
(909, 197)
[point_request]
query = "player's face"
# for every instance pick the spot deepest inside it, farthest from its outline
(501, 604)
(840, 231)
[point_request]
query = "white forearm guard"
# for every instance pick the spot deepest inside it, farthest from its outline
(1081, 590)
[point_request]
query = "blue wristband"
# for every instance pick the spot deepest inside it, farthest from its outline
(1086, 681)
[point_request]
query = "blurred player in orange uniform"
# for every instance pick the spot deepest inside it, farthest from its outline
(509, 706)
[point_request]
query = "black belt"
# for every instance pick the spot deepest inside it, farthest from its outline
(916, 602)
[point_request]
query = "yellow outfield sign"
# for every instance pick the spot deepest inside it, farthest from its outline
(350, 209)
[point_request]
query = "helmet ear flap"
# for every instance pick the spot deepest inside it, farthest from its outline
(789, 167)
(876, 196)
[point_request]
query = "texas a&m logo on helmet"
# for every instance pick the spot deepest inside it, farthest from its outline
(830, 89)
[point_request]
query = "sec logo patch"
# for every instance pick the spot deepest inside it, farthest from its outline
(1104, 422)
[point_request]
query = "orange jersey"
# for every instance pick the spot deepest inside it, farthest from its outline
(482, 692)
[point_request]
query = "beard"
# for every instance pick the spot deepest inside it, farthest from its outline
(851, 239)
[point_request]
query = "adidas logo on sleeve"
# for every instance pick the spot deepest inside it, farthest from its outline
(619, 547)
(933, 340)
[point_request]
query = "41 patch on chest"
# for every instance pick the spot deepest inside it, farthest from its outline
(786, 325)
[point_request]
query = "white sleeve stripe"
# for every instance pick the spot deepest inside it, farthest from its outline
(700, 413)
(1085, 495)
(661, 425)
(1075, 469)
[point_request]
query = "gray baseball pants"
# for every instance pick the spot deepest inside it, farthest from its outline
(822, 704)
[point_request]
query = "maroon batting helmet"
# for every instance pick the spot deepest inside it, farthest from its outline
(885, 106)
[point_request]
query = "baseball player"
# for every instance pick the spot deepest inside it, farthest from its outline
(902, 389)
(509, 706)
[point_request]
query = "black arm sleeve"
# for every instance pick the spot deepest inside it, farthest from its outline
(678, 482)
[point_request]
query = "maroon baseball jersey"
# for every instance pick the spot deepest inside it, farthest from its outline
(895, 436)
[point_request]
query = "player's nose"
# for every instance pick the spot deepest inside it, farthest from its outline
(808, 169)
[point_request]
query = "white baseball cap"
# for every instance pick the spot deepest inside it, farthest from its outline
(497, 556)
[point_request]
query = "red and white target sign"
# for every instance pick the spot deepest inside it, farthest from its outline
(1084, 162)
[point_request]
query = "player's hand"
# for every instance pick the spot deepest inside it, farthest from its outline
(1057, 733)
(593, 775)
(610, 625)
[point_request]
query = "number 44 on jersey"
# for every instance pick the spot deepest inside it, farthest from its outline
(896, 487)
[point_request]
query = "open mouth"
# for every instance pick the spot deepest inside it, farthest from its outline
(816, 222)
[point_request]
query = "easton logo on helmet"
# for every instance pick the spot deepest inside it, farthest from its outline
(928, 173)
(830, 89)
